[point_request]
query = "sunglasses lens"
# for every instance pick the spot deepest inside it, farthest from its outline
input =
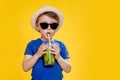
(54, 26)
(44, 25)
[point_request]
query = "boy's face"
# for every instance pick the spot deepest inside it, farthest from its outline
(45, 19)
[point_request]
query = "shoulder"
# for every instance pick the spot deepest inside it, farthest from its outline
(60, 43)
(35, 41)
(32, 46)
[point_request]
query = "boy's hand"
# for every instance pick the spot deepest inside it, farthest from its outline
(55, 50)
(41, 49)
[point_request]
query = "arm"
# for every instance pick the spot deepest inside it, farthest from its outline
(64, 63)
(29, 60)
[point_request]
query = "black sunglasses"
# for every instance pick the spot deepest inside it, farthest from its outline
(52, 25)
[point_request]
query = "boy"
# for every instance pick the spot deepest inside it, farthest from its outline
(46, 20)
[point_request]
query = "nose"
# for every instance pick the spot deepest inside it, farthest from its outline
(48, 27)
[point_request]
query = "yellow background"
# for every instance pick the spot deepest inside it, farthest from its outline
(90, 32)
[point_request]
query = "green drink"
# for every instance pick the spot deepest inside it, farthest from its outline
(48, 58)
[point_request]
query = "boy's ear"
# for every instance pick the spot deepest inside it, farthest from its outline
(37, 28)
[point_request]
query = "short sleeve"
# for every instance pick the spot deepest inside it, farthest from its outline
(29, 49)
(64, 51)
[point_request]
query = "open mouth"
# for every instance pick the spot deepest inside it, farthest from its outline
(48, 33)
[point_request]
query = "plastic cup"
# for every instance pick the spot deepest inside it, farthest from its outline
(48, 57)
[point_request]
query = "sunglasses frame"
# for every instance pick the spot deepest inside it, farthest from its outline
(45, 25)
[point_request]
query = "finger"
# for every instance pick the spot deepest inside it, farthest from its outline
(56, 46)
(53, 46)
(53, 50)
(52, 53)
(43, 52)
(43, 45)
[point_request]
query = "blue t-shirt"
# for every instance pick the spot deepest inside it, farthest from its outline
(40, 71)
